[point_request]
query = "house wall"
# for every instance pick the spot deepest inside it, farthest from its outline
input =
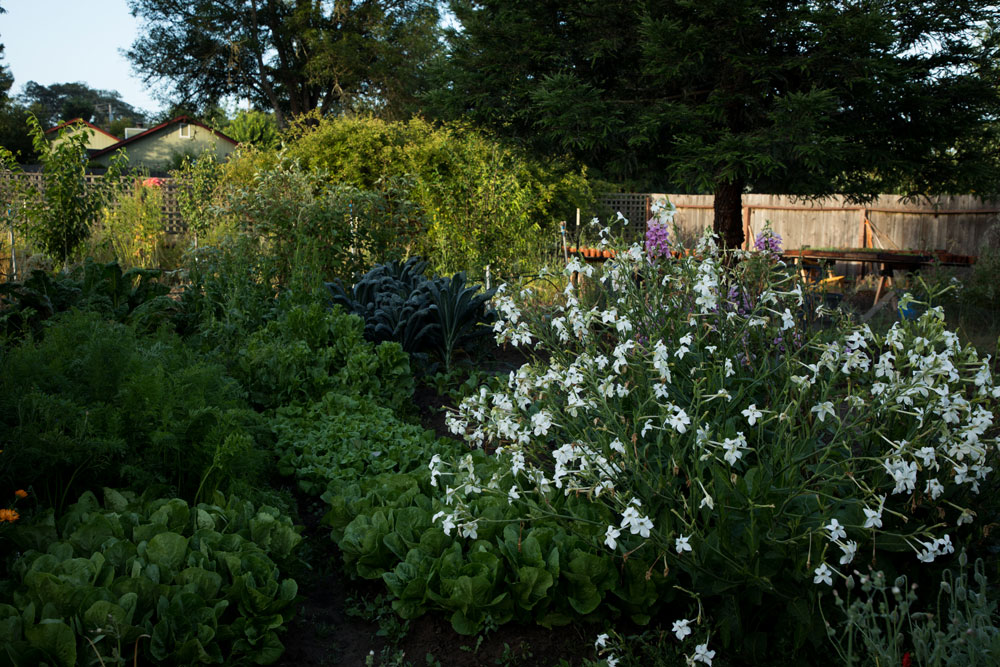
(96, 141)
(159, 150)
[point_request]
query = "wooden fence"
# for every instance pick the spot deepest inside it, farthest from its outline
(957, 224)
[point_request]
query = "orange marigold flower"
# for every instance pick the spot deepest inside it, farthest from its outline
(21, 493)
(9, 515)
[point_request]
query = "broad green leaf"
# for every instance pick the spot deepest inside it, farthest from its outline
(167, 550)
(56, 639)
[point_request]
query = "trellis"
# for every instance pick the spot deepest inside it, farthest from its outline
(633, 206)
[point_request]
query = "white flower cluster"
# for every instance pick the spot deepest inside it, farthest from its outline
(648, 363)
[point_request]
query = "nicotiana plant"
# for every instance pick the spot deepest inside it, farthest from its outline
(754, 444)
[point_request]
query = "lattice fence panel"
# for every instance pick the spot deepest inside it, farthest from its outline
(635, 208)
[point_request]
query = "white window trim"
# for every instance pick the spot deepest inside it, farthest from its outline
(185, 131)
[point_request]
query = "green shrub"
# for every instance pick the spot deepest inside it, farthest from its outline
(484, 203)
(67, 206)
(94, 404)
(137, 295)
(176, 584)
(307, 225)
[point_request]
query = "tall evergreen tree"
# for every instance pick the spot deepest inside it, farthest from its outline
(810, 98)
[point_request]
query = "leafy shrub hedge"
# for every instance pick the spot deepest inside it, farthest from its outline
(176, 584)
(448, 193)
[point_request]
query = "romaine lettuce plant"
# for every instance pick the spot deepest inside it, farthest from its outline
(175, 584)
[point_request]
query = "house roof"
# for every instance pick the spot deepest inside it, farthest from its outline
(162, 126)
(83, 122)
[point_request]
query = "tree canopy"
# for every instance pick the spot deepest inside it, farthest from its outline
(6, 78)
(810, 98)
(66, 101)
(287, 57)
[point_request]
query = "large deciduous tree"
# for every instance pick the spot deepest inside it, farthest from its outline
(288, 56)
(67, 101)
(809, 98)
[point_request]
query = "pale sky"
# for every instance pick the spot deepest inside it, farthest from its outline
(59, 41)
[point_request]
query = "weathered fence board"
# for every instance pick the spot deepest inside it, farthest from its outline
(953, 223)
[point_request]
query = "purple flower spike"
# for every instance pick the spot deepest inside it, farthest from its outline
(657, 239)
(769, 242)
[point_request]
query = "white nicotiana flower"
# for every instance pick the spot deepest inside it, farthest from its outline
(822, 575)
(787, 321)
(702, 654)
(681, 544)
(611, 536)
(903, 473)
(681, 628)
(734, 448)
(541, 422)
(601, 641)
(752, 414)
(837, 531)
(873, 518)
(849, 548)
(822, 410)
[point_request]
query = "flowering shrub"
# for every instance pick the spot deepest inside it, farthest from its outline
(748, 454)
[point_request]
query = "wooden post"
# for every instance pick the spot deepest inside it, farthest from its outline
(747, 212)
(861, 238)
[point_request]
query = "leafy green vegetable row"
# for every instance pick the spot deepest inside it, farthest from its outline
(345, 438)
(181, 585)
(540, 572)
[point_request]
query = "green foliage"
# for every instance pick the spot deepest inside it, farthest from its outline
(311, 228)
(309, 350)
(888, 622)
(484, 203)
(292, 57)
(397, 302)
(385, 528)
(196, 179)
(340, 439)
(179, 585)
(93, 403)
(231, 291)
(67, 205)
(722, 96)
(137, 296)
(132, 231)
(254, 127)
(59, 102)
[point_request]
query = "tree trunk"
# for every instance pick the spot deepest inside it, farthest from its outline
(728, 222)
